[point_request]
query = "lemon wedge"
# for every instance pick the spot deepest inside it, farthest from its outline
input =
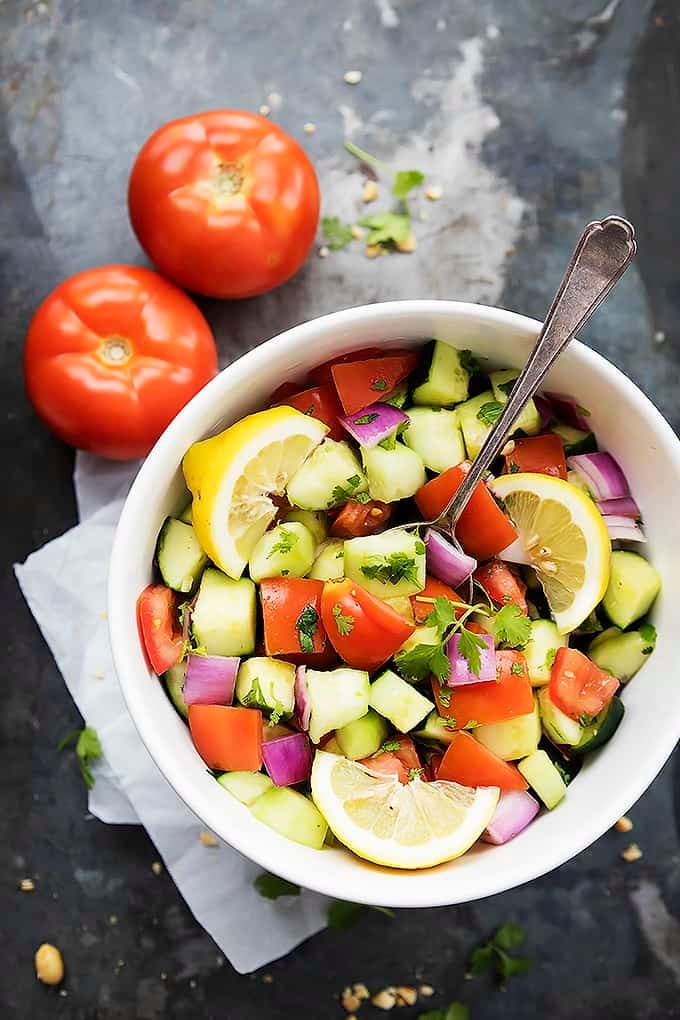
(565, 539)
(233, 475)
(416, 825)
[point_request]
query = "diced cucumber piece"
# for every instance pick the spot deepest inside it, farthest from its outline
(393, 474)
(187, 515)
(267, 683)
(512, 738)
(574, 440)
(529, 420)
(436, 729)
(543, 778)
(474, 430)
(387, 565)
(337, 697)
(180, 558)
(422, 635)
(575, 479)
(633, 585)
(174, 682)
(329, 564)
(224, 618)
(398, 701)
(621, 654)
(397, 398)
(568, 765)
(329, 477)
(291, 814)
(315, 521)
(540, 650)
(245, 786)
(402, 606)
(362, 737)
(287, 550)
(602, 728)
(604, 635)
(435, 435)
(559, 727)
(446, 381)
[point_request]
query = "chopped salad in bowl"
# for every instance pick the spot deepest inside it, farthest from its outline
(335, 673)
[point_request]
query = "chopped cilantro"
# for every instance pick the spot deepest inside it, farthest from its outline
(469, 644)
(254, 696)
(306, 627)
(517, 669)
(343, 621)
(346, 494)
(388, 745)
(387, 228)
(550, 658)
(365, 419)
(514, 467)
(87, 747)
(405, 181)
(423, 660)
(285, 573)
(471, 724)
(379, 384)
(414, 773)
(277, 714)
(490, 412)
(511, 626)
(336, 233)
(583, 410)
(648, 635)
(454, 1011)
(469, 362)
(419, 547)
(271, 886)
(388, 443)
(506, 387)
(445, 701)
(392, 569)
(495, 954)
(284, 545)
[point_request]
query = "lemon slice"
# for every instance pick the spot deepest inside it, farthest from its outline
(565, 538)
(233, 475)
(416, 825)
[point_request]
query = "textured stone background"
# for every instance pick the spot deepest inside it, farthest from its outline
(535, 116)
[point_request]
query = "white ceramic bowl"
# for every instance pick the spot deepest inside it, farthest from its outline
(625, 422)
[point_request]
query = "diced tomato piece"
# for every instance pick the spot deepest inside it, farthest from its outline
(489, 702)
(501, 584)
(284, 601)
(360, 383)
(542, 455)
(483, 529)
(326, 659)
(400, 761)
(434, 589)
(286, 389)
(358, 519)
(319, 402)
(469, 763)
(322, 373)
(363, 629)
(159, 625)
(578, 687)
(227, 738)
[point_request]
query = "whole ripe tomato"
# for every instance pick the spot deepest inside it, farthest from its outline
(112, 355)
(225, 203)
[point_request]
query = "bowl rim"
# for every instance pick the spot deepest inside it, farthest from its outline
(265, 852)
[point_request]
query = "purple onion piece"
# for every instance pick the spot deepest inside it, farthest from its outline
(372, 424)
(623, 507)
(601, 473)
(288, 760)
(210, 679)
(445, 562)
(303, 704)
(460, 668)
(623, 529)
(544, 408)
(566, 409)
(514, 811)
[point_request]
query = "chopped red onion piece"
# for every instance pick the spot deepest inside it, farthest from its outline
(372, 424)
(303, 705)
(210, 679)
(460, 667)
(544, 408)
(566, 409)
(514, 811)
(601, 473)
(445, 562)
(515, 553)
(288, 760)
(623, 529)
(623, 507)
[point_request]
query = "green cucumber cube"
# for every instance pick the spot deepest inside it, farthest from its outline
(287, 550)
(422, 635)
(446, 382)
(337, 697)
(436, 729)
(315, 521)
(633, 585)
(291, 814)
(474, 430)
(245, 786)
(512, 738)
(543, 778)
(329, 477)
(393, 474)
(329, 564)
(559, 727)
(181, 560)
(541, 648)
(399, 701)
(174, 682)
(402, 606)
(224, 618)
(529, 420)
(187, 515)
(621, 654)
(387, 565)
(267, 683)
(362, 737)
(435, 435)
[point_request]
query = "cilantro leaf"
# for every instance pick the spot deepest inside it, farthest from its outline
(514, 467)
(342, 914)
(271, 886)
(392, 569)
(286, 542)
(507, 965)
(494, 954)
(366, 419)
(388, 745)
(481, 960)
(346, 494)
(387, 228)
(442, 616)
(405, 181)
(277, 714)
(512, 626)
(440, 664)
(469, 644)
(336, 233)
(648, 635)
(379, 384)
(471, 724)
(469, 362)
(343, 621)
(550, 658)
(306, 626)
(422, 660)
(517, 669)
(87, 747)
(255, 695)
(490, 412)
(414, 773)
(506, 387)
(455, 1011)
(509, 936)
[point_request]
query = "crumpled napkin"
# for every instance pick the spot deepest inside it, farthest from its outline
(64, 584)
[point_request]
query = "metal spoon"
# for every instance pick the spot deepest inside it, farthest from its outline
(604, 252)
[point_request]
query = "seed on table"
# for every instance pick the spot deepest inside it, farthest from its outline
(434, 193)
(385, 999)
(309, 128)
(265, 110)
(352, 77)
(406, 996)
(632, 853)
(156, 867)
(324, 251)
(49, 965)
(358, 232)
(207, 839)
(27, 885)
(426, 990)
(624, 824)
(370, 192)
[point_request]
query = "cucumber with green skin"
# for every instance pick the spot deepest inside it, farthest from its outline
(633, 585)
(187, 515)
(529, 420)
(446, 382)
(559, 727)
(224, 618)
(329, 564)
(287, 550)
(331, 476)
(434, 434)
(174, 683)
(387, 565)
(540, 650)
(398, 701)
(602, 728)
(512, 738)
(435, 729)
(543, 777)
(245, 786)
(622, 653)
(393, 474)
(180, 557)
(337, 697)
(362, 737)
(268, 684)
(315, 521)
(574, 440)
(291, 814)
(474, 430)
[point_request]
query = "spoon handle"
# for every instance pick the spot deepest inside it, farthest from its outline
(604, 252)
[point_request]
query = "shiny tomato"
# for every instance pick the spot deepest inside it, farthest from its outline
(400, 761)
(227, 738)
(323, 374)
(469, 763)
(357, 519)
(488, 702)
(159, 625)
(364, 631)
(225, 203)
(483, 529)
(501, 585)
(112, 355)
(434, 589)
(291, 611)
(542, 455)
(578, 687)
(360, 383)
(319, 402)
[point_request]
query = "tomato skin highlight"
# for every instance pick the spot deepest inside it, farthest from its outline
(158, 623)
(469, 763)
(358, 519)
(360, 383)
(483, 529)
(489, 702)
(225, 203)
(375, 630)
(501, 585)
(542, 455)
(283, 600)
(112, 355)
(577, 686)
(318, 402)
(227, 737)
